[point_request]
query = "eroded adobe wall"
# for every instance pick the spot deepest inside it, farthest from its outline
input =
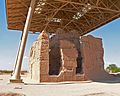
(93, 61)
(68, 56)
(34, 61)
(72, 39)
(58, 58)
(39, 58)
(68, 53)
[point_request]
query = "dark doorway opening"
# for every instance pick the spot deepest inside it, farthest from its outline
(54, 60)
(79, 68)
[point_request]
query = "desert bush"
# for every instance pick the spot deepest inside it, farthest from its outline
(113, 68)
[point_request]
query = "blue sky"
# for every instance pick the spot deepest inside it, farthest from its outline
(9, 42)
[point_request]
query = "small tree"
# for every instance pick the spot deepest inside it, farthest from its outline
(113, 68)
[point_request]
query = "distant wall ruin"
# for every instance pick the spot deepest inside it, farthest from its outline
(66, 57)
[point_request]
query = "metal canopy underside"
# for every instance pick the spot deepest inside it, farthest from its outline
(81, 15)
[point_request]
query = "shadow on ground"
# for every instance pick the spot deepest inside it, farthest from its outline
(112, 80)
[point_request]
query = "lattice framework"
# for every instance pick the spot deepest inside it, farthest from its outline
(81, 15)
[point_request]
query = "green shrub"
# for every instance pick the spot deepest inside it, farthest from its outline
(113, 68)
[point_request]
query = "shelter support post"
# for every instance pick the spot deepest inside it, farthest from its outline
(16, 78)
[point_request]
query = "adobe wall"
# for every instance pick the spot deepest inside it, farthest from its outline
(39, 58)
(58, 58)
(93, 54)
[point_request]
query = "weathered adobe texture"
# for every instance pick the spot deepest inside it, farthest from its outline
(93, 54)
(62, 57)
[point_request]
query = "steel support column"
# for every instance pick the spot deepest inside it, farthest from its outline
(16, 78)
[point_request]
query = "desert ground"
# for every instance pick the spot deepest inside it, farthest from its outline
(86, 88)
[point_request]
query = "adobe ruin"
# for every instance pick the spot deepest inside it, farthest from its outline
(83, 16)
(66, 57)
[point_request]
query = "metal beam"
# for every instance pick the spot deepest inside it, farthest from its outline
(16, 78)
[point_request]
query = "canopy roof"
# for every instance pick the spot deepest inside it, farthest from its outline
(81, 15)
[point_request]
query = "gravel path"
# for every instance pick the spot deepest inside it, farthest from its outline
(61, 89)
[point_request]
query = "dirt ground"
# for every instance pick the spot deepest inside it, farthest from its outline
(88, 88)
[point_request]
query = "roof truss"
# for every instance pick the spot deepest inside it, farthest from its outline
(80, 15)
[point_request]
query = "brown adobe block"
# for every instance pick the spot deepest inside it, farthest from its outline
(70, 64)
(53, 78)
(66, 44)
(70, 53)
(44, 78)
